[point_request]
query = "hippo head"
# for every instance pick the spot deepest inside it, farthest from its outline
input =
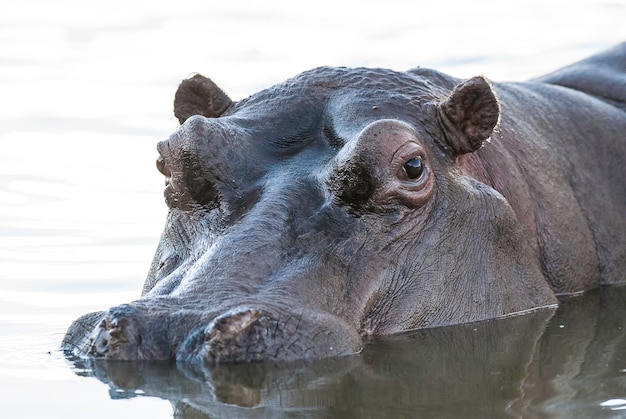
(319, 212)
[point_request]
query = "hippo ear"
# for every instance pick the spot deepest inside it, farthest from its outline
(469, 115)
(198, 95)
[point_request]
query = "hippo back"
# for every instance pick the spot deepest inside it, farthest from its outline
(602, 75)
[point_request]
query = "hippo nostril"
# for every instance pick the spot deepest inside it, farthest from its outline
(230, 326)
(117, 336)
(100, 346)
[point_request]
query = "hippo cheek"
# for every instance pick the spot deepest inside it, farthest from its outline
(248, 334)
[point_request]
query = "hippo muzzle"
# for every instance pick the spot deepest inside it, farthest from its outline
(241, 334)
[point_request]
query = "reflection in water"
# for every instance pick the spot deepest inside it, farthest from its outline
(571, 362)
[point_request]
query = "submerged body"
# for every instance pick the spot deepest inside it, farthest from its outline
(346, 203)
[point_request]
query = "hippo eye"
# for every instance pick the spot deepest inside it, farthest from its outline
(414, 168)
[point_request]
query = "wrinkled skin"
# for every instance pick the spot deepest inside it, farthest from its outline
(347, 203)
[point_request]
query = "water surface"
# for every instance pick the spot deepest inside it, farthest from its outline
(568, 363)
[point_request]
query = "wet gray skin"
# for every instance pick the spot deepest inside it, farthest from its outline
(348, 203)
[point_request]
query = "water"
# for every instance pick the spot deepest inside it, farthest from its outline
(565, 364)
(86, 92)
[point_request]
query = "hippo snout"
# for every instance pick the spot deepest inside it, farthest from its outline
(235, 336)
(123, 333)
(241, 334)
(249, 334)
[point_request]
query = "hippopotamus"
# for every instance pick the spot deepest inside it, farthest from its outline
(348, 203)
